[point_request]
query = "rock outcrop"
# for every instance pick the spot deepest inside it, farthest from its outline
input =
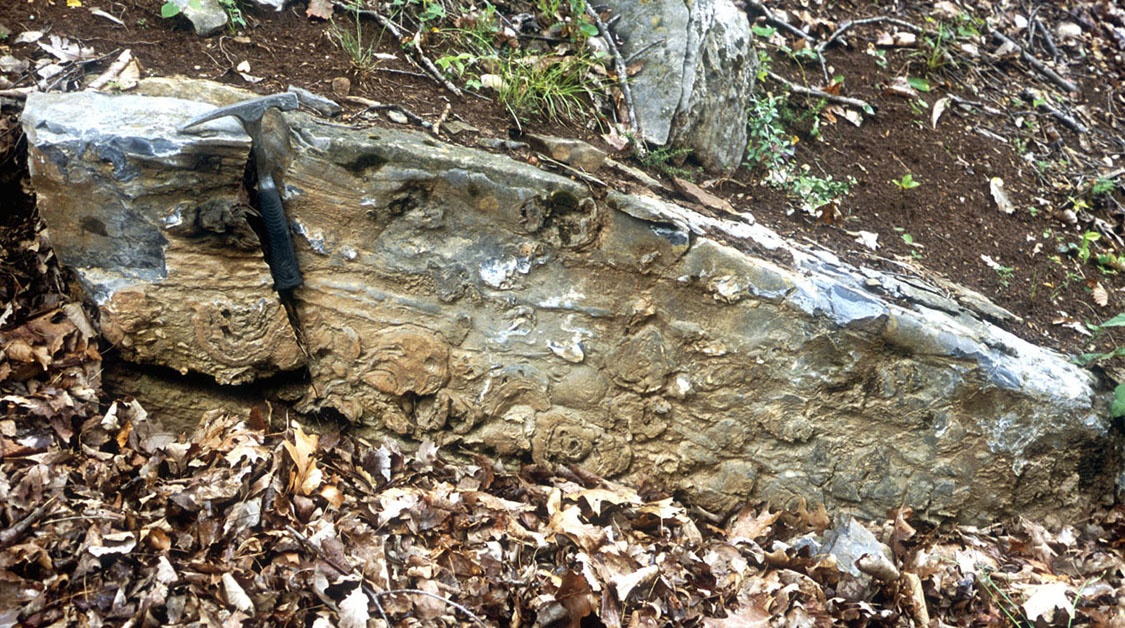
(703, 50)
(464, 296)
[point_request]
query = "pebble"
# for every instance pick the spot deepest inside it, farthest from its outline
(341, 86)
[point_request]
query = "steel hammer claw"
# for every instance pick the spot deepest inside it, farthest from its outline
(280, 256)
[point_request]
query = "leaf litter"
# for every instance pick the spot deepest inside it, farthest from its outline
(254, 518)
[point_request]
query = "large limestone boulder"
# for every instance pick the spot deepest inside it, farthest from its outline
(697, 77)
(477, 300)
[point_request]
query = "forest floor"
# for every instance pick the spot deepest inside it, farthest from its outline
(107, 520)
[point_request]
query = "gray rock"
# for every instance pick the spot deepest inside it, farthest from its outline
(696, 86)
(570, 151)
(276, 5)
(474, 299)
(207, 19)
(857, 552)
(320, 104)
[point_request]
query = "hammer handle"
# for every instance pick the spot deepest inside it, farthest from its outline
(281, 257)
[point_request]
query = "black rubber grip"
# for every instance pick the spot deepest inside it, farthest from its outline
(280, 255)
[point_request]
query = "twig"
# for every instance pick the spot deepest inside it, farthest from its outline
(397, 33)
(576, 172)
(1036, 63)
(403, 72)
(778, 22)
(975, 103)
(622, 74)
(17, 531)
(441, 119)
(844, 27)
(1068, 121)
(1048, 42)
(809, 91)
(644, 49)
(114, 69)
(430, 67)
(331, 562)
(448, 601)
(410, 115)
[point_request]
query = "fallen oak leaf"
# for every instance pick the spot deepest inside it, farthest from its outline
(1044, 602)
(236, 596)
(354, 611)
(306, 477)
(320, 9)
(996, 187)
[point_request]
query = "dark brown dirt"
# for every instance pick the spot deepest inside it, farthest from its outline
(951, 216)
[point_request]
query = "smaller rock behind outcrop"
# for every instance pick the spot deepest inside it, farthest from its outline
(698, 75)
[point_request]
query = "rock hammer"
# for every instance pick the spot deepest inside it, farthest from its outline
(280, 255)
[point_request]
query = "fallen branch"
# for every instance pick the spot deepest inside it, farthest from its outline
(23, 526)
(778, 22)
(430, 67)
(622, 73)
(113, 71)
(1043, 69)
(1048, 41)
(811, 91)
(845, 26)
(649, 46)
(1068, 121)
(441, 119)
(588, 178)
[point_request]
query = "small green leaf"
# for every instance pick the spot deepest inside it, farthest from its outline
(169, 9)
(1118, 407)
(763, 31)
(1116, 321)
(588, 30)
(921, 85)
(907, 238)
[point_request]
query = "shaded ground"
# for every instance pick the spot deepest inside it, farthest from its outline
(251, 517)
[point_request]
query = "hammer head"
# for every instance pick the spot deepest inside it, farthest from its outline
(250, 111)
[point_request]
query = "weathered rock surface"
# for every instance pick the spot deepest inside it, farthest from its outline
(152, 223)
(703, 51)
(465, 296)
(206, 16)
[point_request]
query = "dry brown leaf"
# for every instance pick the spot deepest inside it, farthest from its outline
(996, 187)
(747, 525)
(320, 9)
(1101, 297)
(353, 609)
(900, 86)
(306, 477)
(747, 616)
(236, 596)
